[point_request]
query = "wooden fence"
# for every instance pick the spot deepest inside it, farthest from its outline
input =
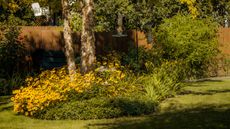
(46, 45)
(224, 41)
(223, 67)
(50, 39)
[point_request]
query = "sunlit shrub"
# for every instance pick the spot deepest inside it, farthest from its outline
(192, 40)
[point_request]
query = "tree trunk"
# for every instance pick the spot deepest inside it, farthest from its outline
(88, 58)
(69, 51)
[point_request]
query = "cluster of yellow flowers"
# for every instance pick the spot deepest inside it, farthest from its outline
(49, 87)
(109, 81)
(191, 6)
(110, 76)
(109, 70)
(52, 86)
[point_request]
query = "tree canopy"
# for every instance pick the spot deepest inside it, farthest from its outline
(137, 13)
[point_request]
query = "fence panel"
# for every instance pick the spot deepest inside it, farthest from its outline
(40, 40)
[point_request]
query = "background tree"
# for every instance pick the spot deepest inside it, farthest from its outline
(19, 10)
(137, 13)
(218, 9)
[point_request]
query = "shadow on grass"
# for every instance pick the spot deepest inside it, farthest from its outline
(7, 107)
(5, 103)
(208, 92)
(204, 80)
(202, 83)
(209, 80)
(209, 117)
(4, 100)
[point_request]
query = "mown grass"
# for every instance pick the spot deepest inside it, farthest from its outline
(201, 105)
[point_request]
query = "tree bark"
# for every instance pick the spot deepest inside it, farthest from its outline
(69, 51)
(88, 57)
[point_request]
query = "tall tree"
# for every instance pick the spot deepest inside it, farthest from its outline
(69, 51)
(88, 57)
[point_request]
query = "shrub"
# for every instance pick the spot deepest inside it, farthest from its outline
(191, 40)
(12, 58)
(12, 51)
(136, 59)
(10, 84)
(98, 108)
(164, 81)
(3, 88)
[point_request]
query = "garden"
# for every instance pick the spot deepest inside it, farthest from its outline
(163, 86)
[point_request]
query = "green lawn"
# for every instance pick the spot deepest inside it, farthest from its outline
(201, 105)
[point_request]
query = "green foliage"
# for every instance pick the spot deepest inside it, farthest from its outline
(12, 83)
(108, 92)
(76, 22)
(217, 9)
(151, 12)
(13, 21)
(98, 108)
(137, 14)
(12, 51)
(12, 56)
(135, 59)
(106, 12)
(193, 41)
(19, 9)
(164, 81)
